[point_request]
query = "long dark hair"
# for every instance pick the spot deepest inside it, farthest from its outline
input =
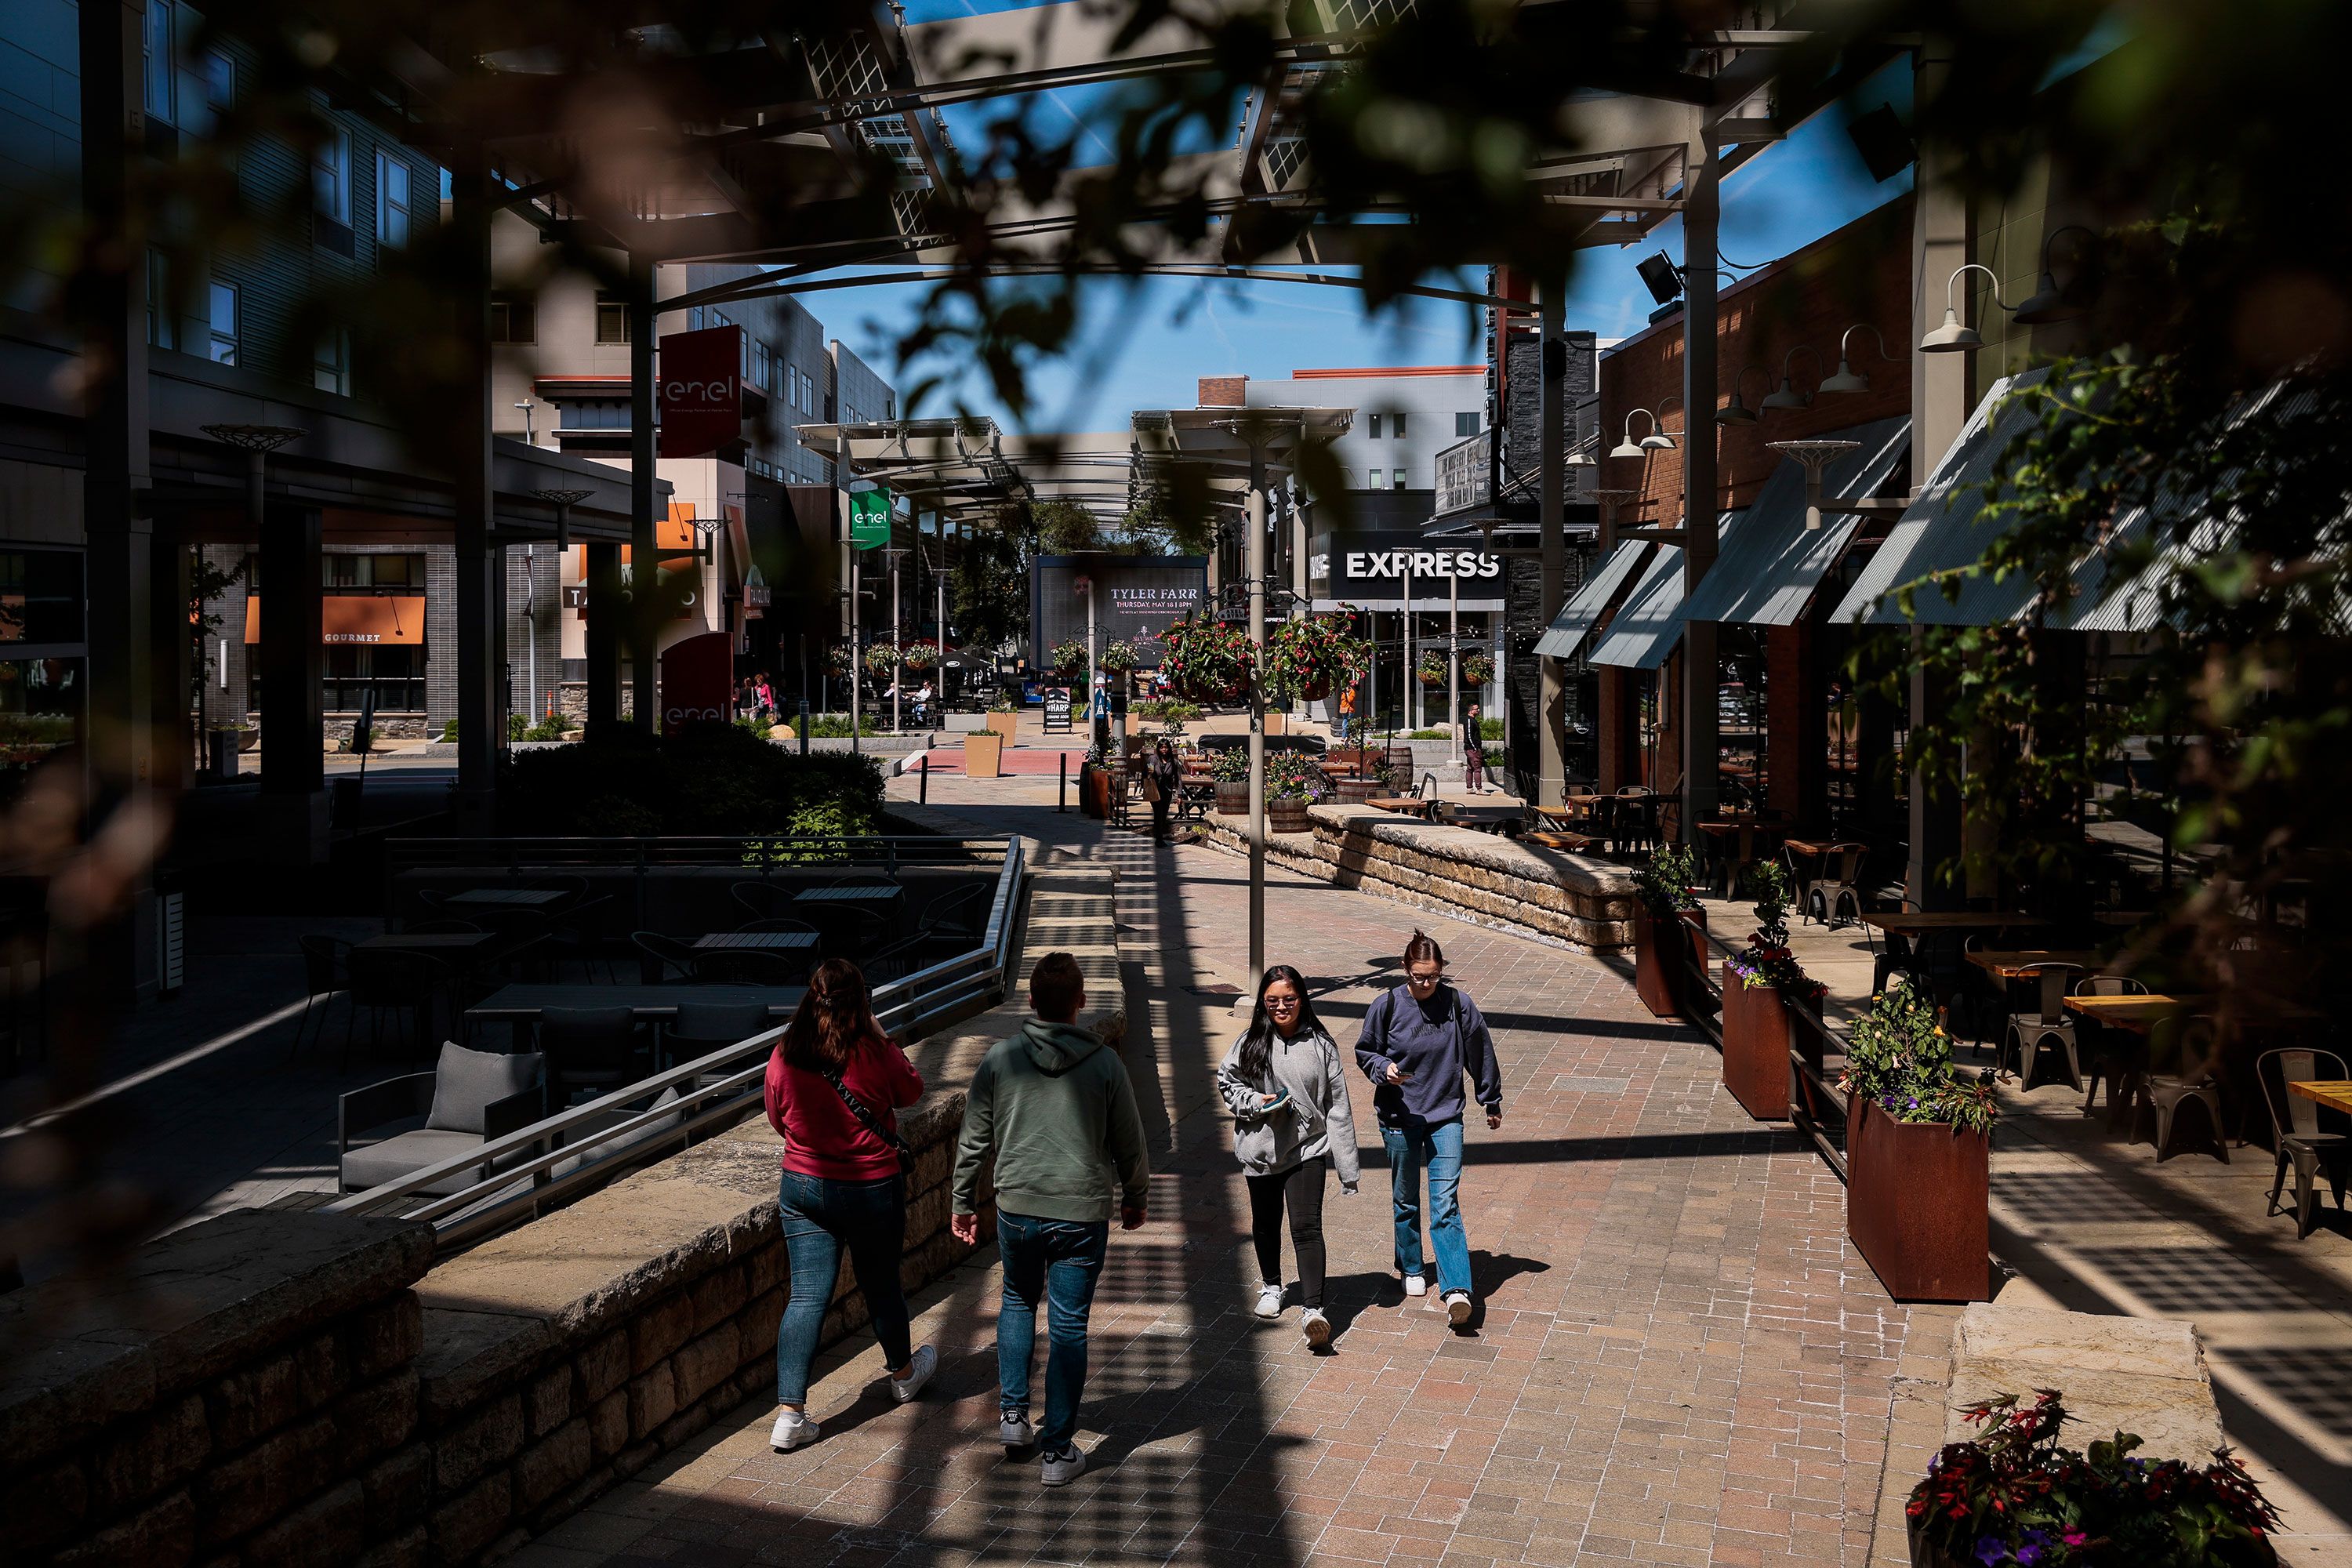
(833, 1022)
(1258, 1045)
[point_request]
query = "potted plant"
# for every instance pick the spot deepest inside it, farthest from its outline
(1293, 782)
(922, 656)
(1174, 715)
(1918, 1152)
(1208, 660)
(1120, 659)
(1759, 982)
(1665, 907)
(2014, 1496)
(1069, 659)
(1229, 766)
(1431, 668)
(1307, 658)
(881, 658)
(1005, 717)
(1478, 670)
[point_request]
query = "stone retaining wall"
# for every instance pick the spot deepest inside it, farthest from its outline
(287, 1386)
(1577, 898)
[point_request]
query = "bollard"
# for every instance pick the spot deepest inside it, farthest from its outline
(923, 783)
(804, 725)
(1062, 800)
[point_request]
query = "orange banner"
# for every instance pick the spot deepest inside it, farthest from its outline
(356, 618)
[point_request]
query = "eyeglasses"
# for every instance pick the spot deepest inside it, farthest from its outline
(1282, 1001)
(1432, 978)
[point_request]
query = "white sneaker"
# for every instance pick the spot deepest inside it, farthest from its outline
(792, 1430)
(1457, 1307)
(1015, 1432)
(1269, 1301)
(1316, 1327)
(1060, 1469)
(919, 1367)
(1414, 1285)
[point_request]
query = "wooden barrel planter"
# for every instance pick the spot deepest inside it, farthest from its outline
(1355, 792)
(1756, 1046)
(1233, 797)
(1916, 1202)
(1400, 760)
(1284, 813)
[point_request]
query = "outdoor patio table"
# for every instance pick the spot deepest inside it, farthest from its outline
(861, 893)
(507, 898)
(2334, 1093)
(437, 942)
(521, 1005)
(1919, 922)
(2138, 1014)
(2012, 963)
(1404, 804)
(762, 941)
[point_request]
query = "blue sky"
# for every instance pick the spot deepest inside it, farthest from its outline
(1144, 345)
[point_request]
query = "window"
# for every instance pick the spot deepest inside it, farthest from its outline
(1465, 425)
(330, 362)
(392, 204)
(1375, 479)
(220, 82)
(398, 571)
(1400, 425)
(223, 324)
(694, 318)
(393, 673)
(762, 366)
(159, 51)
(162, 332)
(330, 174)
(1396, 478)
(612, 318)
(514, 318)
(1374, 430)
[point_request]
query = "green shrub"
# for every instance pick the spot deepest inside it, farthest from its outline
(1490, 729)
(834, 727)
(517, 727)
(449, 732)
(714, 780)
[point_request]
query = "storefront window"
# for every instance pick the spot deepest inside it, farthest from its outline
(40, 596)
(40, 713)
(396, 676)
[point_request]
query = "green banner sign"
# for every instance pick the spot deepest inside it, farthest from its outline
(869, 519)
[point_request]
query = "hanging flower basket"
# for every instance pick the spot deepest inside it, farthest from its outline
(1306, 658)
(1478, 670)
(1120, 658)
(1432, 669)
(1069, 659)
(1208, 660)
(921, 656)
(837, 659)
(881, 657)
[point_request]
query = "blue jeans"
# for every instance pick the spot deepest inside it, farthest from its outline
(1438, 1147)
(1060, 1259)
(820, 1218)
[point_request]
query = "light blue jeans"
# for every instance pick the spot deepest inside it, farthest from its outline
(1437, 1147)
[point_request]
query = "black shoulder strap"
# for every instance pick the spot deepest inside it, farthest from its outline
(867, 1119)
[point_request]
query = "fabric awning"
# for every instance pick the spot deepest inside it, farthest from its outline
(1945, 529)
(1769, 572)
(365, 618)
(1648, 622)
(1592, 600)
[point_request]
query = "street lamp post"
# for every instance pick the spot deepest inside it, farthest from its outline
(1256, 569)
(897, 651)
(1453, 663)
(257, 442)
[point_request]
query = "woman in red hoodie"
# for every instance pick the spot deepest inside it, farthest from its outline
(835, 1083)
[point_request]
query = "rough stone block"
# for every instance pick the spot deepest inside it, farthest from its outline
(758, 1325)
(608, 1426)
(703, 1365)
(470, 1356)
(683, 1426)
(659, 1331)
(604, 1366)
(406, 1549)
(43, 1506)
(547, 1467)
(2145, 1375)
(324, 1370)
(717, 1299)
(159, 1537)
(458, 1530)
(264, 1481)
(551, 1400)
(635, 1457)
(397, 1490)
(489, 1438)
(376, 1419)
(145, 1457)
(385, 1336)
(245, 1406)
(769, 1267)
(653, 1399)
(328, 1528)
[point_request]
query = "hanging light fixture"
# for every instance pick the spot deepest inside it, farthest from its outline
(1657, 440)
(1629, 448)
(1847, 378)
(1736, 412)
(2048, 302)
(1952, 337)
(1788, 397)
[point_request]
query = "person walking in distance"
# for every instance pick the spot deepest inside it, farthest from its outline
(1288, 1091)
(836, 1082)
(1474, 753)
(1056, 1105)
(1419, 1041)
(1167, 776)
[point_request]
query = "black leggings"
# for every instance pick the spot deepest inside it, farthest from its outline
(1301, 1189)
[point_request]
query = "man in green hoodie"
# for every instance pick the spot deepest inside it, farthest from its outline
(1056, 1106)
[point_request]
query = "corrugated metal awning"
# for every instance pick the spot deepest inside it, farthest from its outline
(1769, 572)
(1649, 622)
(1592, 600)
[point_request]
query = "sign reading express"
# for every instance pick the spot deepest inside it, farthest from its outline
(699, 392)
(1373, 566)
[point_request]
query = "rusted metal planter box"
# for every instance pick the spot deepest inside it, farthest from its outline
(1657, 977)
(1756, 1046)
(1916, 1195)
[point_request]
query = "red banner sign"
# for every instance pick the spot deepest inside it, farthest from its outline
(698, 678)
(700, 391)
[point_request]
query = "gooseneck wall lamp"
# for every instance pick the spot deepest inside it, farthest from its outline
(1657, 440)
(1847, 379)
(2048, 302)
(1788, 397)
(1952, 337)
(1737, 411)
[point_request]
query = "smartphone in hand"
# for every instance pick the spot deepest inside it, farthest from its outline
(1280, 1101)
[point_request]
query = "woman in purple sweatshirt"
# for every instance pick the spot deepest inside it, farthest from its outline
(1419, 1040)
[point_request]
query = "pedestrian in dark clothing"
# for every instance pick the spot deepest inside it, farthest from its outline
(1419, 1041)
(1474, 753)
(1056, 1105)
(1167, 776)
(836, 1082)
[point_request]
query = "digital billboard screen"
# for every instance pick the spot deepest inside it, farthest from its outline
(1135, 596)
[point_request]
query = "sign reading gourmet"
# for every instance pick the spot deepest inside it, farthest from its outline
(1366, 567)
(700, 391)
(1134, 597)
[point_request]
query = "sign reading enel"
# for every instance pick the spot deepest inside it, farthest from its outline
(696, 677)
(699, 391)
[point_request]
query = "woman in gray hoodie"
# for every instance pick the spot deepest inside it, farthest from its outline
(1287, 1090)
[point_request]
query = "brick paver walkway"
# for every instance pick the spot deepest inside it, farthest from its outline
(1678, 1357)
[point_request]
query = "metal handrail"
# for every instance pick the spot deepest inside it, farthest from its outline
(524, 855)
(530, 1185)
